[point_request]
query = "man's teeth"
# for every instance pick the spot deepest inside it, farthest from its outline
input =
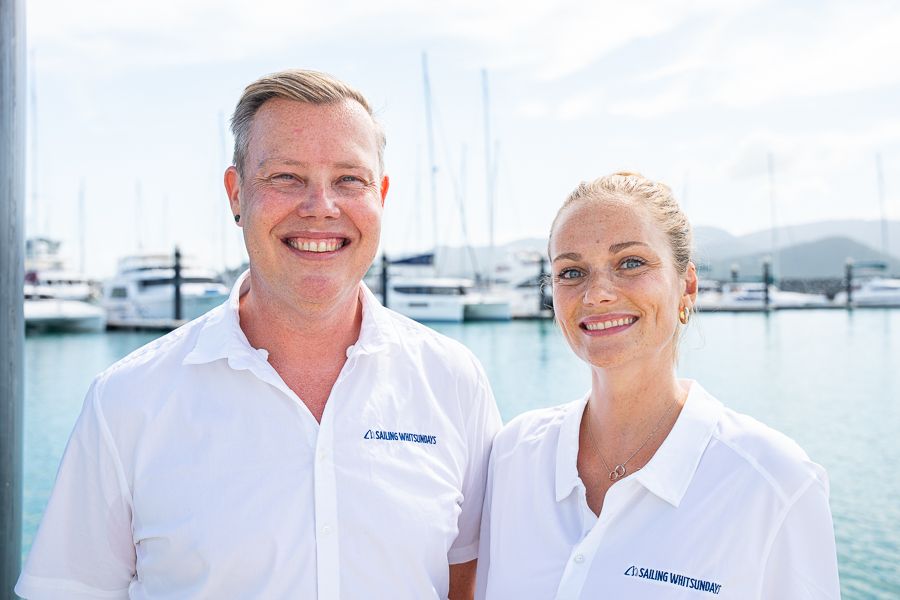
(608, 324)
(316, 245)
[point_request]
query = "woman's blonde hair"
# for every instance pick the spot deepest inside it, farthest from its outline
(656, 197)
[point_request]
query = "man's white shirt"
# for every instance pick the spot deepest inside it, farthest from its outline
(726, 508)
(195, 472)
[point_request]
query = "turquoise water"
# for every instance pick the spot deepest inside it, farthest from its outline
(829, 379)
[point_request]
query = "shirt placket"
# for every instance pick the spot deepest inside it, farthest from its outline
(583, 553)
(327, 546)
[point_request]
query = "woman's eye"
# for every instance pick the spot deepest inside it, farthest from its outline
(632, 263)
(569, 274)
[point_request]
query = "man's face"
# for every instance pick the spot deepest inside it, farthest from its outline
(310, 199)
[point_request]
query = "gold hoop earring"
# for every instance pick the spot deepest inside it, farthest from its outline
(684, 316)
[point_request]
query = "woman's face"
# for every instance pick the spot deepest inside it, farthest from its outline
(616, 290)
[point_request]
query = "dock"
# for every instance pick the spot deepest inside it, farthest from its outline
(144, 324)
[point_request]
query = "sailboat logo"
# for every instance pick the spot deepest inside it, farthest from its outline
(368, 435)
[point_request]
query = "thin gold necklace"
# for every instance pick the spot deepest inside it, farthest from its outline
(620, 469)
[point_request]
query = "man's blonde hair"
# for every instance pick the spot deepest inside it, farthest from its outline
(300, 85)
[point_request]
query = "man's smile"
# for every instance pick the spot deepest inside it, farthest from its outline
(316, 245)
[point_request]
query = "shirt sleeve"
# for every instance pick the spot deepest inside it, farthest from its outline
(484, 544)
(481, 427)
(802, 564)
(84, 547)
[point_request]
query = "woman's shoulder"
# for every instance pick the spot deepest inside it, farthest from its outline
(536, 429)
(767, 453)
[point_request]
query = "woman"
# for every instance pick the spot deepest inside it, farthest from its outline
(647, 487)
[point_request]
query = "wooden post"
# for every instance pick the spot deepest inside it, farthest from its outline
(543, 302)
(12, 280)
(766, 276)
(848, 274)
(177, 283)
(384, 279)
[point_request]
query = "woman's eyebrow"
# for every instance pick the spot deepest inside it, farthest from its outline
(622, 245)
(568, 256)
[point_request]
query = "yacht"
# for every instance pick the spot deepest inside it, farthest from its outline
(57, 299)
(48, 313)
(879, 292)
(429, 298)
(143, 289)
(739, 297)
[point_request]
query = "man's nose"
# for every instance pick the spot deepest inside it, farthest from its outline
(319, 200)
(600, 289)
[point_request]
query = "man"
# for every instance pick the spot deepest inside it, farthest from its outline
(300, 441)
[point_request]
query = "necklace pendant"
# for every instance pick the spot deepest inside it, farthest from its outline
(617, 473)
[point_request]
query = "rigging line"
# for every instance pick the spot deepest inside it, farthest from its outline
(458, 193)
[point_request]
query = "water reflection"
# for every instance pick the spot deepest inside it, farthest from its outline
(829, 379)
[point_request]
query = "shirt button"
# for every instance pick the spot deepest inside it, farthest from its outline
(326, 529)
(579, 558)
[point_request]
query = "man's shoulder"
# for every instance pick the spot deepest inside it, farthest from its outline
(418, 339)
(160, 355)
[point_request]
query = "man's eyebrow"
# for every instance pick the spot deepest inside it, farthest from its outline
(352, 165)
(622, 245)
(282, 161)
(299, 163)
(567, 256)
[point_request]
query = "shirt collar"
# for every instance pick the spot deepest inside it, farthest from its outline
(221, 335)
(567, 478)
(672, 468)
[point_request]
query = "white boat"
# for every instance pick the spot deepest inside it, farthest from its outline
(47, 313)
(520, 278)
(429, 298)
(488, 304)
(57, 299)
(143, 289)
(877, 292)
(738, 297)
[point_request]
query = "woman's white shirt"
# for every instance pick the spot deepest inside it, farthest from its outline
(726, 508)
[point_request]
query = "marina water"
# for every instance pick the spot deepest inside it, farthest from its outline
(829, 379)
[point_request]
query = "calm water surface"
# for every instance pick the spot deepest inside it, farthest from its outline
(829, 379)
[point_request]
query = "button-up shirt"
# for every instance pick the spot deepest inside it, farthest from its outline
(726, 508)
(195, 472)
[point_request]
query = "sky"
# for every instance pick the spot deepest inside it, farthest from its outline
(128, 132)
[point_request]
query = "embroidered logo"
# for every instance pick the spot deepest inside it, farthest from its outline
(673, 578)
(400, 436)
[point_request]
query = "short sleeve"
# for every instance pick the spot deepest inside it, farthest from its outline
(484, 544)
(802, 564)
(482, 425)
(84, 546)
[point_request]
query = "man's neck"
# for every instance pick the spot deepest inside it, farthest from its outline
(299, 331)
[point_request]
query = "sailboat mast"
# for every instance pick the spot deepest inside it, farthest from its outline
(35, 207)
(429, 128)
(488, 175)
(884, 229)
(222, 232)
(81, 230)
(771, 169)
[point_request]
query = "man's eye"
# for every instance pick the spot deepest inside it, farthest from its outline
(632, 263)
(283, 177)
(350, 179)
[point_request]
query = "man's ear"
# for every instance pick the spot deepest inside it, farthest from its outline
(233, 189)
(385, 184)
